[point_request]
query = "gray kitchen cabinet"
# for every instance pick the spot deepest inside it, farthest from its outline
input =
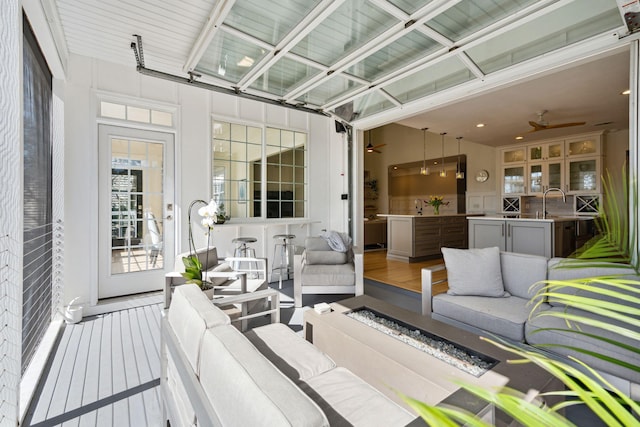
(526, 237)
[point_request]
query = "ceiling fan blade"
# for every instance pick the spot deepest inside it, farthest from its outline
(377, 151)
(566, 125)
(379, 145)
(537, 126)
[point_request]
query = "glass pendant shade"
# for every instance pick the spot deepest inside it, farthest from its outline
(443, 173)
(424, 170)
(459, 173)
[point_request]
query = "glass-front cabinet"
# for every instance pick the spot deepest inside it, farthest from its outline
(590, 146)
(548, 151)
(514, 155)
(583, 175)
(545, 175)
(513, 180)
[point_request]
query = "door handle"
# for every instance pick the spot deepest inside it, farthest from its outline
(169, 217)
(502, 230)
(508, 230)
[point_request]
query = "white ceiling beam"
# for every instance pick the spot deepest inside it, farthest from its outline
(464, 58)
(300, 31)
(390, 97)
(215, 19)
(47, 25)
(552, 62)
(506, 24)
(386, 38)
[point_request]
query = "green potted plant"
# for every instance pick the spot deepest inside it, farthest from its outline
(193, 269)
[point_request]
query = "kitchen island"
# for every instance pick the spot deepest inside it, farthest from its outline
(413, 238)
(549, 237)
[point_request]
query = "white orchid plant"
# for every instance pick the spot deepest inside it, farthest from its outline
(192, 264)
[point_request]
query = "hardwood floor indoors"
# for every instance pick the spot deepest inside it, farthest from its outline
(400, 274)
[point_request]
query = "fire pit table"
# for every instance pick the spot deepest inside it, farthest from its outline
(396, 349)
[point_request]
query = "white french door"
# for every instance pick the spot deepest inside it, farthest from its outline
(136, 200)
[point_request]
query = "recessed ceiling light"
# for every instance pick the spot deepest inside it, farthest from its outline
(519, 137)
(480, 125)
(625, 92)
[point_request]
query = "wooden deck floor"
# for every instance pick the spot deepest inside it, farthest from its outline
(403, 275)
(105, 372)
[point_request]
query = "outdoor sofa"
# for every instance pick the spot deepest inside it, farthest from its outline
(491, 293)
(212, 374)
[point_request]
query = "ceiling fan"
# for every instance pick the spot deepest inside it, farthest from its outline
(374, 148)
(542, 124)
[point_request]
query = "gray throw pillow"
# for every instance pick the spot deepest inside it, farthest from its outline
(474, 272)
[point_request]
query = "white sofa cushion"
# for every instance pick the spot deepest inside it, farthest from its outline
(246, 389)
(474, 272)
(190, 314)
(347, 400)
(295, 357)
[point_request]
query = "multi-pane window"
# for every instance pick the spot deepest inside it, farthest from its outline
(259, 172)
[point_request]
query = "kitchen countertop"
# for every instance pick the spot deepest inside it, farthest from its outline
(550, 218)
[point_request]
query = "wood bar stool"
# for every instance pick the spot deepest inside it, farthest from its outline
(282, 253)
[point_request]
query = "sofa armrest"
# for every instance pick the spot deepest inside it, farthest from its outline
(271, 294)
(427, 287)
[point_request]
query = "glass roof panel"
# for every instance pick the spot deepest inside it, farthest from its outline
(229, 57)
(353, 24)
(403, 51)
(562, 27)
(330, 89)
(443, 75)
(283, 76)
(469, 16)
(409, 6)
(366, 105)
(269, 24)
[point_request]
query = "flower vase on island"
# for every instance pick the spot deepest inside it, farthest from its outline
(436, 202)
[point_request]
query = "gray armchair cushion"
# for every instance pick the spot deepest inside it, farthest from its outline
(220, 268)
(325, 257)
(501, 316)
(553, 330)
(328, 275)
(560, 269)
(474, 272)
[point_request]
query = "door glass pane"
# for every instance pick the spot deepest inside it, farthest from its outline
(582, 175)
(136, 206)
(535, 178)
(555, 151)
(555, 175)
(578, 148)
(514, 180)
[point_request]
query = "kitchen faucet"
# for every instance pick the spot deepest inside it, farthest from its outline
(544, 200)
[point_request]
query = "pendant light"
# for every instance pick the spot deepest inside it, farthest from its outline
(443, 173)
(369, 146)
(459, 172)
(424, 170)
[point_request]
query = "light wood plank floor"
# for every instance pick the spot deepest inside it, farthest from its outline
(105, 372)
(400, 274)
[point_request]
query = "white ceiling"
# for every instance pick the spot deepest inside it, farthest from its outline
(589, 93)
(180, 35)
